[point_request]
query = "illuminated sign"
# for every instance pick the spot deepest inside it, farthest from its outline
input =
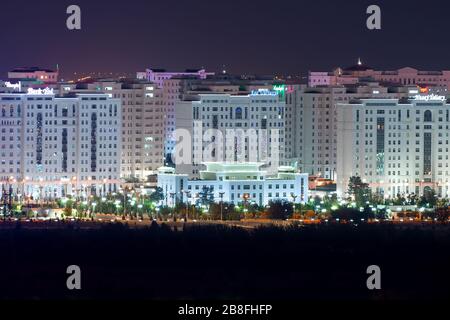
(40, 91)
(264, 92)
(15, 86)
(430, 97)
(281, 89)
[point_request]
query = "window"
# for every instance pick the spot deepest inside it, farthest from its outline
(427, 116)
(238, 113)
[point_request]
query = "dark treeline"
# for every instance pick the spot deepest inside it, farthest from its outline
(309, 262)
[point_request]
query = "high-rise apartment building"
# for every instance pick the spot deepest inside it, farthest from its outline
(311, 122)
(143, 123)
(397, 146)
(52, 147)
(230, 128)
(180, 87)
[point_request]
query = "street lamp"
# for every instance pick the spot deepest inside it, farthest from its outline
(221, 205)
(293, 196)
(172, 195)
(194, 207)
(94, 204)
(246, 196)
(140, 209)
(187, 193)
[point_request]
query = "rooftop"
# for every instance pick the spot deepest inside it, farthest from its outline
(31, 69)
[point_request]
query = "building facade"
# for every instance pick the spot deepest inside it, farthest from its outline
(143, 123)
(311, 122)
(234, 183)
(158, 76)
(396, 146)
(52, 147)
(404, 76)
(45, 75)
(179, 88)
(224, 127)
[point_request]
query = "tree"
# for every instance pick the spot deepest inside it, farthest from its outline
(157, 195)
(68, 209)
(442, 214)
(254, 210)
(428, 198)
(279, 209)
(359, 190)
(412, 199)
(377, 198)
(228, 211)
(207, 196)
(382, 214)
(164, 212)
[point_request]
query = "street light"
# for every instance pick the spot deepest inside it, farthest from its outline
(140, 209)
(293, 196)
(94, 204)
(187, 193)
(172, 194)
(221, 205)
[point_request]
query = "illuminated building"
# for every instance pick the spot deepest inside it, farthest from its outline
(311, 122)
(181, 87)
(142, 123)
(236, 183)
(404, 76)
(224, 127)
(45, 75)
(158, 76)
(52, 147)
(396, 146)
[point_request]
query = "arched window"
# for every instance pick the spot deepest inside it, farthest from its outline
(238, 113)
(427, 117)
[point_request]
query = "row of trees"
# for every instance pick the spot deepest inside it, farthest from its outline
(362, 195)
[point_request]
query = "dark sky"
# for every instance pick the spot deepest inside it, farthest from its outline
(248, 36)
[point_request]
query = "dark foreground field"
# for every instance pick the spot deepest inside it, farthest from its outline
(216, 262)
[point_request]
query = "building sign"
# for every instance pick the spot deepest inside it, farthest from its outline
(40, 91)
(15, 86)
(264, 92)
(430, 97)
(281, 89)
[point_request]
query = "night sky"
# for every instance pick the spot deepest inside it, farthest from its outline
(248, 36)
